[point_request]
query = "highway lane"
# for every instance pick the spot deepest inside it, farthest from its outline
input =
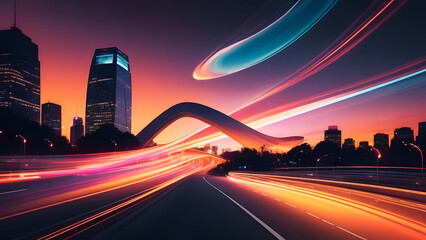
(191, 210)
(171, 199)
(388, 176)
(347, 210)
(211, 207)
(54, 203)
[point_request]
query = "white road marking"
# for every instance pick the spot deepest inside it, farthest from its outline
(347, 231)
(332, 224)
(290, 204)
(312, 215)
(14, 191)
(356, 235)
(278, 236)
(277, 199)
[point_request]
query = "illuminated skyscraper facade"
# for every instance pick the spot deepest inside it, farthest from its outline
(109, 91)
(51, 117)
(19, 74)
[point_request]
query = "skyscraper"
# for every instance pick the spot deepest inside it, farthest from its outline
(404, 134)
(19, 74)
(422, 131)
(109, 91)
(381, 141)
(77, 130)
(364, 145)
(51, 117)
(349, 144)
(333, 134)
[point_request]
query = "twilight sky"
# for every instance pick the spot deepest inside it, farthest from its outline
(166, 40)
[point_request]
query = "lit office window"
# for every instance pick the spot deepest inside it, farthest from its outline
(122, 62)
(104, 59)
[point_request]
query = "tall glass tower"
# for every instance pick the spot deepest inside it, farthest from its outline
(109, 91)
(19, 74)
(51, 116)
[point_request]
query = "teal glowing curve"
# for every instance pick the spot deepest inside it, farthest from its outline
(265, 43)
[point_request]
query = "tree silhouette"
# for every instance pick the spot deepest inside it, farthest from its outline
(107, 139)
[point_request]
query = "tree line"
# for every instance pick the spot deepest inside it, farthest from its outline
(324, 154)
(42, 140)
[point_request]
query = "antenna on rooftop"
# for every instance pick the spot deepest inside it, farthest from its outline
(14, 16)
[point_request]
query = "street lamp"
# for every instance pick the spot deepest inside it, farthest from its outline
(421, 154)
(50, 145)
(318, 159)
(379, 155)
(24, 141)
(115, 145)
(294, 157)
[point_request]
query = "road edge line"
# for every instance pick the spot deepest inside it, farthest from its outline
(272, 231)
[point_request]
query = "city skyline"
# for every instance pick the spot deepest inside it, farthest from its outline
(266, 119)
(176, 84)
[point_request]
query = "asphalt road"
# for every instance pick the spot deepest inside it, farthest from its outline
(200, 206)
(210, 207)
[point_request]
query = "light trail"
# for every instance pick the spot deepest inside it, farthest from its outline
(333, 206)
(286, 111)
(367, 23)
(352, 188)
(331, 100)
(355, 34)
(404, 72)
(13, 191)
(115, 210)
(269, 41)
(73, 192)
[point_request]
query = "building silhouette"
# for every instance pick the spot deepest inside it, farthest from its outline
(364, 145)
(51, 117)
(349, 144)
(402, 135)
(333, 134)
(381, 141)
(77, 130)
(109, 91)
(422, 132)
(421, 137)
(19, 74)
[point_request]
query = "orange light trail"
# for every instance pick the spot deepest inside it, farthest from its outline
(333, 204)
(166, 166)
(118, 208)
